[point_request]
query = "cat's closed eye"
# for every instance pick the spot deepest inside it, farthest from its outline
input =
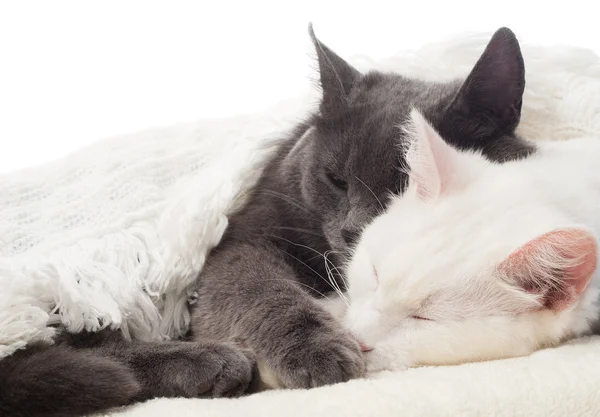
(337, 181)
(375, 275)
(420, 318)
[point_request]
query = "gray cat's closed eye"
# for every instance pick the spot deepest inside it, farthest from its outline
(337, 181)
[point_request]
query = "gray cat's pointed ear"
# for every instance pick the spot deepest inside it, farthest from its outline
(337, 77)
(493, 91)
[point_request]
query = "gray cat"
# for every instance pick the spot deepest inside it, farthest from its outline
(327, 180)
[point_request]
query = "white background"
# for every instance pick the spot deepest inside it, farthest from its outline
(72, 72)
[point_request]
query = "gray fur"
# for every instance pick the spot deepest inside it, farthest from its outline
(91, 372)
(330, 177)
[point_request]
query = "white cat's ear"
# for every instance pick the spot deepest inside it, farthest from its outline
(431, 161)
(557, 266)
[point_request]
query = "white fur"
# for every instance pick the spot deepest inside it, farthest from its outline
(446, 255)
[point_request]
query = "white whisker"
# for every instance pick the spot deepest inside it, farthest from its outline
(330, 278)
(374, 195)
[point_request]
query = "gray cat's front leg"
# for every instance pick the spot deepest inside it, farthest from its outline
(249, 294)
(175, 368)
(190, 369)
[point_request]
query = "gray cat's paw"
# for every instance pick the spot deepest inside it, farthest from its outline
(204, 370)
(325, 356)
(224, 371)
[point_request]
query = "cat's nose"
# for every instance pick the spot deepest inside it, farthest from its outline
(350, 236)
(363, 347)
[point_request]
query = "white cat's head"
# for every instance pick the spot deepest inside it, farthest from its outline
(469, 264)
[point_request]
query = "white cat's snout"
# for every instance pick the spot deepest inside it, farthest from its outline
(361, 344)
(364, 347)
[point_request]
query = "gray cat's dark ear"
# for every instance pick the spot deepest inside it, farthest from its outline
(493, 91)
(337, 77)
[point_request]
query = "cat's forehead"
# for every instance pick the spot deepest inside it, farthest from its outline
(445, 281)
(425, 268)
(456, 240)
(416, 244)
(393, 96)
(379, 103)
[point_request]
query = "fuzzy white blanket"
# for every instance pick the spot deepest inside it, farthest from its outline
(554, 382)
(115, 234)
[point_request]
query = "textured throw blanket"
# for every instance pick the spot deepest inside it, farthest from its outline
(115, 234)
(560, 382)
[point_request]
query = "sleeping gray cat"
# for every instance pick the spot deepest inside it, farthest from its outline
(328, 179)
(259, 287)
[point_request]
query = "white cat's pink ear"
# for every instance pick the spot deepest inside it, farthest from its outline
(431, 161)
(558, 266)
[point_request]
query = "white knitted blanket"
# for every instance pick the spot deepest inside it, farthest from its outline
(116, 233)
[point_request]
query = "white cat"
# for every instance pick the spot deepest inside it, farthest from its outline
(477, 260)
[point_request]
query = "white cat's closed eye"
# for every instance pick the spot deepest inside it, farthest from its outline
(420, 318)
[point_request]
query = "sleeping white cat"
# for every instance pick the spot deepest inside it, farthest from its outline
(478, 260)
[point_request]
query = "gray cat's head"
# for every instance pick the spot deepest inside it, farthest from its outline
(351, 155)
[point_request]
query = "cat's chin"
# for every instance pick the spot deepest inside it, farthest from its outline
(386, 358)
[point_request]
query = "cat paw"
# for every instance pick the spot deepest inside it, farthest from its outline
(223, 371)
(324, 356)
(387, 358)
(200, 370)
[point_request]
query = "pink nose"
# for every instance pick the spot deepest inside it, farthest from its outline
(364, 348)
